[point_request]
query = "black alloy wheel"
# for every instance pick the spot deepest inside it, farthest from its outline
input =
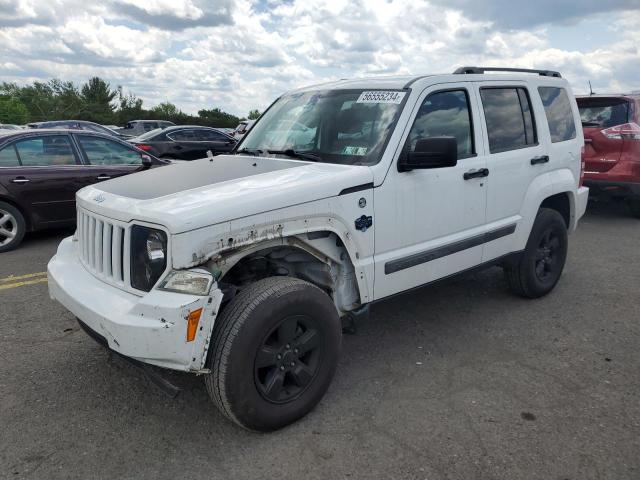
(547, 255)
(288, 359)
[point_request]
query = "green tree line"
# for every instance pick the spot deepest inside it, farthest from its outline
(95, 101)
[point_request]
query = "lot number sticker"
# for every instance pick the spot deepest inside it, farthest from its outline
(380, 96)
(354, 151)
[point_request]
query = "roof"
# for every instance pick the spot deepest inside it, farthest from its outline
(65, 121)
(392, 82)
(173, 127)
(4, 134)
(150, 120)
(399, 82)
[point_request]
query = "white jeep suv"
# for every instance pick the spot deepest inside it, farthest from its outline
(240, 267)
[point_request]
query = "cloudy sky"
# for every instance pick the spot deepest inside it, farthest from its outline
(240, 54)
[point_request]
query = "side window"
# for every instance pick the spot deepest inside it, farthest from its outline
(509, 118)
(210, 136)
(444, 114)
(45, 151)
(557, 108)
(183, 136)
(100, 151)
(8, 157)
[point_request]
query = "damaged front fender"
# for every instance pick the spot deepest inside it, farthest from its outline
(218, 248)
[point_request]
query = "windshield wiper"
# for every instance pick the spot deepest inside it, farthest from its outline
(251, 151)
(290, 152)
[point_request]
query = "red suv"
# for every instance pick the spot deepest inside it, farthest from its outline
(612, 146)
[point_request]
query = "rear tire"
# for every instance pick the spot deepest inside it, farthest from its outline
(12, 227)
(276, 347)
(634, 207)
(539, 268)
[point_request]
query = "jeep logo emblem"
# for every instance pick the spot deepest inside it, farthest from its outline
(99, 198)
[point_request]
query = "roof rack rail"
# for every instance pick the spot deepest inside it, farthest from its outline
(480, 70)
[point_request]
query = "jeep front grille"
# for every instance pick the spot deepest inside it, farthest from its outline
(103, 246)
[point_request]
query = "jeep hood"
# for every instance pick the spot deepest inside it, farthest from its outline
(189, 195)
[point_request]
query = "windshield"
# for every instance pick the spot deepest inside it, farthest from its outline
(100, 129)
(148, 135)
(337, 126)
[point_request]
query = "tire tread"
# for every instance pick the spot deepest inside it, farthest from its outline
(229, 325)
(516, 275)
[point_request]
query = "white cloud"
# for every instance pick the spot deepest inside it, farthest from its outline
(180, 9)
(241, 54)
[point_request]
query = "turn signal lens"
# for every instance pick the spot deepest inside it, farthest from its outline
(192, 324)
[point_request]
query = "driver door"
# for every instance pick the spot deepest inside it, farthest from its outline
(429, 223)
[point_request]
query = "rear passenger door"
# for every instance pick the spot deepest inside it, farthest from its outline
(44, 179)
(214, 141)
(516, 156)
(184, 144)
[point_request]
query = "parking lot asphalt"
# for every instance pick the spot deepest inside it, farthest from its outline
(459, 380)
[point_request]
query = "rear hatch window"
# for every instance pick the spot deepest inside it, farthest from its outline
(603, 112)
(602, 150)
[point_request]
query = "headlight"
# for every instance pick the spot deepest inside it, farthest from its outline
(156, 246)
(148, 256)
(194, 282)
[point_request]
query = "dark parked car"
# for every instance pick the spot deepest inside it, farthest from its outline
(41, 170)
(242, 128)
(184, 142)
(77, 125)
(611, 126)
(138, 127)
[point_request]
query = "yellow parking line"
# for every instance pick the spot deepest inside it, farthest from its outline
(13, 278)
(22, 284)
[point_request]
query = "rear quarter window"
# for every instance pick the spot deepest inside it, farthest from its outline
(557, 109)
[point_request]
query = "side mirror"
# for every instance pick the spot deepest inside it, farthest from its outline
(146, 161)
(433, 152)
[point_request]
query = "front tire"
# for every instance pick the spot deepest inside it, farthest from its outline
(12, 227)
(539, 268)
(276, 347)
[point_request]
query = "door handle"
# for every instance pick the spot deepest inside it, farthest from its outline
(103, 177)
(20, 180)
(540, 159)
(481, 172)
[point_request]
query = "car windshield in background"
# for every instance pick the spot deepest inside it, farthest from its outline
(148, 135)
(334, 126)
(603, 112)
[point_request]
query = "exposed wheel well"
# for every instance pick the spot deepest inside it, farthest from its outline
(559, 202)
(328, 268)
